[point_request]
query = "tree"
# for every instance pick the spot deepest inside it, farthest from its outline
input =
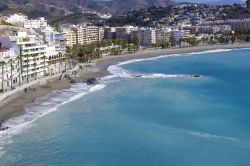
(248, 3)
(27, 68)
(60, 59)
(19, 58)
(11, 71)
(35, 64)
(136, 42)
(163, 44)
(44, 65)
(2, 63)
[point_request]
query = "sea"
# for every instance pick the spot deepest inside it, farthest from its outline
(175, 110)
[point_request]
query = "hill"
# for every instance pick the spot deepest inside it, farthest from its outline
(75, 11)
(64, 7)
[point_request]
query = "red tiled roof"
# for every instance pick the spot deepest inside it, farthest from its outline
(4, 50)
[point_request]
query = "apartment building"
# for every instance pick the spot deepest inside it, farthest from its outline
(177, 34)
(17, 19)
(92, 34)
(163, 34)
(239, 24)
(147, 36)
(10, 69)
(109, 32)
(39, 23)
(53, 38)
(125, 33)
(30, 45)
(83, 34)
(70, 36)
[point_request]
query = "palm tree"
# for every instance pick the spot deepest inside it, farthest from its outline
(44, 64)
(11, 71)
(2, 63)
(19, 58)
(35, 64)
(59, 55)
(27, 68)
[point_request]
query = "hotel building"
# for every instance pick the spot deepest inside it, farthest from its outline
(33, 49)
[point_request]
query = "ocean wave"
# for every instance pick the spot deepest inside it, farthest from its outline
(52, 101)
(119, 72)
(170, 55)
(42, 107)
(212, 136)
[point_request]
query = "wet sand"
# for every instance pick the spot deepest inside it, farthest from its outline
(16, 105)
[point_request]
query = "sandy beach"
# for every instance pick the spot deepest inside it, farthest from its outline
(15, 106)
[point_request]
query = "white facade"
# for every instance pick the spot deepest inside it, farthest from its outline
(16, 18)
(36, 23)
(82, 35)
(163, 34)
(239, 24)
(147, 36)
(51, 51)
(30, 45)
(124, 33)
(177, 34)
(10, 70)
(5, 54)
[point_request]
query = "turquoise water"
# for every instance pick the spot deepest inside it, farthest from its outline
(168, 118)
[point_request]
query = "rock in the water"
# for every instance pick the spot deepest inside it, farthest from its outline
(72, 81)
(92, 81)
(196, 76)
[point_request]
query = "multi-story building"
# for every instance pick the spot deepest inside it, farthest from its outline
(147, 36)
(10, 69)
(39, 23)
(33, 49)
(17, 19)
(125, 33)
(70, 36)
(83, 34)
(92, 34)
(100, 33)
(51, 37)
(163, 34)
(177, 34)
(109, 32)
(60, 42)
(239, 24)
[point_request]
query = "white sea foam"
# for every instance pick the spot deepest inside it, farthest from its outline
(51, 102)
(112, 67)
(42, 107)
(117, 71)
(212, 136)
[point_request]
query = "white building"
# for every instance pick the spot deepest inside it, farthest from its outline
(33, 49)
(82, 34)
(163, 34)
(147, 36)
(10, 69)
(53, 38)
(125, 33)
(177, 34)
(239, 24)
(16, 18)
(39, 23)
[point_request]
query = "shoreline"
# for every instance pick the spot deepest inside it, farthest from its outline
(16, 105)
